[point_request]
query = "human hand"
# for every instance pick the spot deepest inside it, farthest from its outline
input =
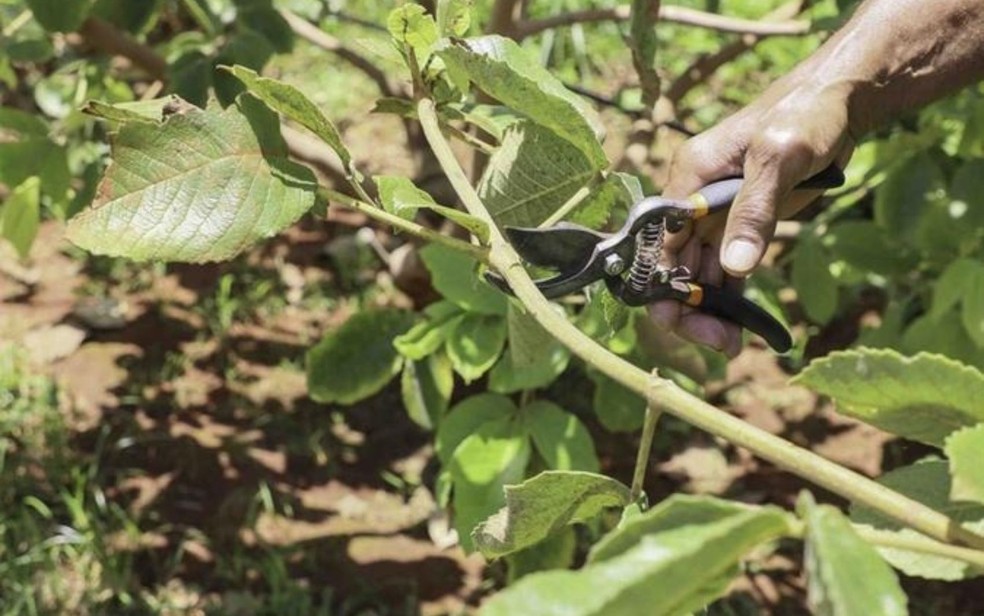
(793, 131)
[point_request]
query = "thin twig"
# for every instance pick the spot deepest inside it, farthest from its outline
(673, 399)
(571, 204)
(105, 37)
(653, 414)
(380, 215)
(674, 14)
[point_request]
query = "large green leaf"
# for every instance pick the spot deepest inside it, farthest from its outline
(815, 286)
(541, 506)
(531, 175)
(533, 359)
(488, 459)
(846, 575)
(466, 417)
(20, 215)
(965, 449)
(454, 276)
(923, 398)
(678, 511)
(929, 483)
(293, 104)
(202, 186)
(429, 335)
(475, 343)
(358, 359)
(953, 284)
(59, 15)
(905, 194)
(560, 437)
(618, 408)
(503, 70)
(36, 156)
(426, 388)
(868, 247)
(675, 571)
(454, 17)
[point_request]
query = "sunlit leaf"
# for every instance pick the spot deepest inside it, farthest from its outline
(400, 196)
(965, 450)
(560, 437)
(426, 388)
(454, 276)
(474, 344)
(20, 215)
(466, 417)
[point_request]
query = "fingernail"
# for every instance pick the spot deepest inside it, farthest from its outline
(740, 256)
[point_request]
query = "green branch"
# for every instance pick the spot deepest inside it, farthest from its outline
(671, 398)
(476, 252)
(653, 414)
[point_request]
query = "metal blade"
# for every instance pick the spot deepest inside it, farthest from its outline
(565, 246)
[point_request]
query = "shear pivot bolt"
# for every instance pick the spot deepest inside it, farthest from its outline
(614, 265)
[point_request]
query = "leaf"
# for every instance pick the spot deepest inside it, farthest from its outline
(268, 23)
(560, 438)
(675, 571)
(973, 308)
(21, 215)
(555, 552)
(929, 483)
(945, 336)
(618, 191)
(21, 124)
(293, 104)
(868, 247)
(426, 388)
(507, 73)
(427, 336)
(955, 281)
(618, 408)
(903, 197)
(454, 17)
(410, 24)
(202, 186)
(36, 156)
(453, 275)
(923, 398)
(506, 378)
(474, 344)
(677, 512)
(152, 111)
(488, 459)
(134, 17)
(815, 286)
(541, 506)
(401, 197)
(59, 15)
(965, 450)
(846, 575)
(358, 359)
(531, 175)
(644, 44)
(466, 417)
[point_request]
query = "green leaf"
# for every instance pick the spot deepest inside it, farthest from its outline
(560, 438)
(488, 459)
(453, 275)
(955, 281)
(965, 450)
(410, 24)
(945, 336)
(923, 398)
(358, 359)
(868, 247)
(675, 571)
(506, 378)
(59, 15)
(293, 104)
(677, 512)
(401, 197)
(514, 195)
(507, 73)
(541, 506)
(454, 17)
(846, 575)
(973, 308)
(134, 17)
(475, 343)
(905, 194)
(36, 156)
(618, 191)
(270, 24)
(555, 552)
(644, 44)
(426, 388)
(815, 286)
(428, 336)
(466, 417)
(618, 408)
(152, 111)
(19, 123)
(929, 483)
(202, 186)
(21, 215)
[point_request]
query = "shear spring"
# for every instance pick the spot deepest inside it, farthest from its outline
(645, 265)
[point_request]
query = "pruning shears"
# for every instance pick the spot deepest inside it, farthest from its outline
(628, 260)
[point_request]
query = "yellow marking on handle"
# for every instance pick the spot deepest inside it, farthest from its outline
(696, 295)
(701, 206)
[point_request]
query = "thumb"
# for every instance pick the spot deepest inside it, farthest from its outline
(773, 166)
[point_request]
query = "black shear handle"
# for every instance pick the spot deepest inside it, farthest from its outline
(732, 306)
(722, 193)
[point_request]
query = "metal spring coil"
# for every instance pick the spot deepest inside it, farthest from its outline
(645, 264)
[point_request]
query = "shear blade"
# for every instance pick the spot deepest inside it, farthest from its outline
(566, 247)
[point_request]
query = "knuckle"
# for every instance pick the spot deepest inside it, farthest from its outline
(783, 147)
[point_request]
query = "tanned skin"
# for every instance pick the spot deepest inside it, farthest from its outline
(892, 56)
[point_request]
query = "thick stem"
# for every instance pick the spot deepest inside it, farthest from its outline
(653, 414)
(476, 252)
(671, 398)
